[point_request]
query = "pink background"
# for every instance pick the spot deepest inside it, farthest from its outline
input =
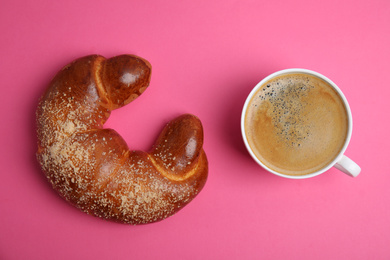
(206, 57)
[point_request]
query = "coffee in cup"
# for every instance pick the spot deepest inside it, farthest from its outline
(296, 123)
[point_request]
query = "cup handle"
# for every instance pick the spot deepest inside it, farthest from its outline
(348, 166)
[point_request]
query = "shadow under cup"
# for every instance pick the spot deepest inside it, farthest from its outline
(297, 123)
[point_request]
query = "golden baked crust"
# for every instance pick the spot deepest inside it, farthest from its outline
(92, 167)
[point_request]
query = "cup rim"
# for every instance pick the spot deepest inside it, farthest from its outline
(313, 73)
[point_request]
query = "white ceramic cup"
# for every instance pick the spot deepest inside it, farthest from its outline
(341, 162)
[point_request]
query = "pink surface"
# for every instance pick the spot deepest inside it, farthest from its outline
(206, 57)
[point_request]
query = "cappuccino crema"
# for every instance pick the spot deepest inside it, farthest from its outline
(296, 124)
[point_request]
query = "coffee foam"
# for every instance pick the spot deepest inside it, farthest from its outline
(296, 124)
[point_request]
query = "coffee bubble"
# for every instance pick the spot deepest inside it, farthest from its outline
(295, 123)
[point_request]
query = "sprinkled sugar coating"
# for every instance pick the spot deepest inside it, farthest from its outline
(92, 167)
